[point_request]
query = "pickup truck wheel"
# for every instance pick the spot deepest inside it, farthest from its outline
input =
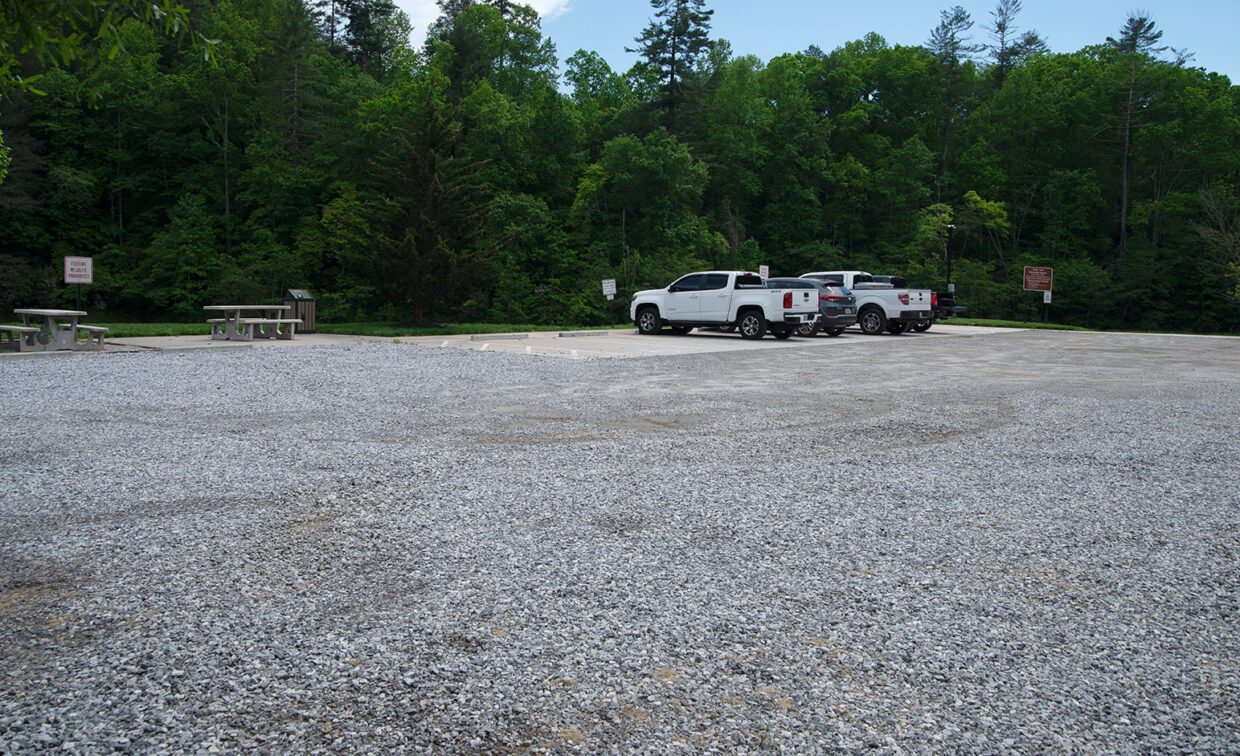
(648, 321)
(783, 333)
(751, 325)
(807, 329)
(872, 321)
(922, 327)
(681, 330)
(835, 331)
(895, 329)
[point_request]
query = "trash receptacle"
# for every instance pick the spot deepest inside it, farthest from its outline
(303, 307)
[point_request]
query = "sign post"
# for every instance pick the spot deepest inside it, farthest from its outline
(1040, 279)
(79, 270)
(609, 291)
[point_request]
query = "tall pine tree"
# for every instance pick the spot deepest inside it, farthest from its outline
(671, 45)
(1138, 41)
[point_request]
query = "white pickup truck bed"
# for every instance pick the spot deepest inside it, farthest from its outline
(880, 307)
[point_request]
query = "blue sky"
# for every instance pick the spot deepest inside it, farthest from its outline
(767, 28)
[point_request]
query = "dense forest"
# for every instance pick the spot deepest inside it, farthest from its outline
(299, 143)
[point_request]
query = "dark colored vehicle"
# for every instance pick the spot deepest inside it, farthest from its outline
(837, 307)
(945, 307)
(897, 282)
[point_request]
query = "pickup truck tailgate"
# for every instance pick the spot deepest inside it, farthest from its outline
(797, 305)
(803, 300)
(919, 299)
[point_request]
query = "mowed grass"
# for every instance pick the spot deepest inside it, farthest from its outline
(448, 329)
(989, 323)
(381, 330)
(130, 330)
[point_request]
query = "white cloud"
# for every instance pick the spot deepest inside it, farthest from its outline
(551, 8)
(422, 13)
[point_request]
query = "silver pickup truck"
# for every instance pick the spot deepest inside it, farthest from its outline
(724, 299)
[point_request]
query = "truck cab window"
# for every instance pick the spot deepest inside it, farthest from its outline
(688, 283)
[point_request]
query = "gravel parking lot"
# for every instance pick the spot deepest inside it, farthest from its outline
(1000, 542)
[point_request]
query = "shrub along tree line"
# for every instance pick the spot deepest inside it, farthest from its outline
(473, 180)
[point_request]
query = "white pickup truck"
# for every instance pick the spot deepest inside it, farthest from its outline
(724, 299)
(880, 306)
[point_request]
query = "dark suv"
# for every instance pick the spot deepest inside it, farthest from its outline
(837, 307)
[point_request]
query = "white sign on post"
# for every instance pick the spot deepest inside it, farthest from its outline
(764, 271)
(609, 288)
(79, 270)
(1046, 297)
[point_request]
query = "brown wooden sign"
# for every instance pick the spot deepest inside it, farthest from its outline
(1038, 279)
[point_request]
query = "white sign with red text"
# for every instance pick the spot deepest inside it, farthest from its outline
(79, 270)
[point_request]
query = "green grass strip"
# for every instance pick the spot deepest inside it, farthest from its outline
(1013, 324)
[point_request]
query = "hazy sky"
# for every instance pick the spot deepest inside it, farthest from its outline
(767, 28)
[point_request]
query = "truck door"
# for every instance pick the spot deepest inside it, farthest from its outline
(684, 298)
(716, 298)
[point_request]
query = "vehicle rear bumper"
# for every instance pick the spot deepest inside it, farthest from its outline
(915, 315)
(943, 313)
(801, 319)
(837, 321)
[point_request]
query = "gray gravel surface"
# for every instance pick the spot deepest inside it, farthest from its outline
(1025, 542)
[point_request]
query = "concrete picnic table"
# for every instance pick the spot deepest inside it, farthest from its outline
(236, 327)
(57, 329)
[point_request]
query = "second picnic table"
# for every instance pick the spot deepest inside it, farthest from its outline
(269, 324)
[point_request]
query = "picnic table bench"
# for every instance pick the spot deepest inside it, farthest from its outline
(51, 330)
(235, 326)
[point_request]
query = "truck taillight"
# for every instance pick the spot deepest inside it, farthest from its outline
(904, 298)
(787, 300)
(934, 299)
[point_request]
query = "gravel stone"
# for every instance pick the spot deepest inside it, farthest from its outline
(1024, 542)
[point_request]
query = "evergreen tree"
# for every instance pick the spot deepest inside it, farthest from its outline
(328, 18)
(1008, 48)
(951, 46)
(671, 45)
(1137, 42)
(367, 34)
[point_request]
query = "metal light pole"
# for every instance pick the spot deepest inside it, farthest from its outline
(947, 251)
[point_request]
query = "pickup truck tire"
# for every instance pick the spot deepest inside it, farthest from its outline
(834, 331)
(808, 330)
(783, 333)
(922, 326)
(872, 321)
(895, 329)
(681, 330)
(751, 324)
(648, 321)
